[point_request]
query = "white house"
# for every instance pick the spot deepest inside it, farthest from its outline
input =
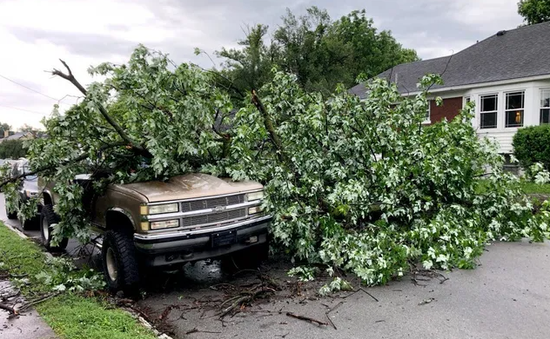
(507, 75)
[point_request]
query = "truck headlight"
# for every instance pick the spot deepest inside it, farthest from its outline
(255, 196)
(160, 209)
(156, 225)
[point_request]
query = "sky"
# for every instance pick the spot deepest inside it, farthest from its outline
(35, 34)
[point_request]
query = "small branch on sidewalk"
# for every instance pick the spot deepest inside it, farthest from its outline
(362, 290)
(34, 302)
(12, 312)
(308, 319)
(195, 330)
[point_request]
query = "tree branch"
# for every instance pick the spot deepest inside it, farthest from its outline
(70, 77)
(268, 124)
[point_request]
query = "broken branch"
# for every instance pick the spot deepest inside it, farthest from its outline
(308, 319)
(70, 77)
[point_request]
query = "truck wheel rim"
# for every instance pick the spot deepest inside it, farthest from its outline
(45, 230)
(111, 264)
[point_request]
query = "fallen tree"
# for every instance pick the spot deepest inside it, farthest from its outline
(359, 186)
(365, 187)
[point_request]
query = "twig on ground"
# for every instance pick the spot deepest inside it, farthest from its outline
(363, 290)
(196, 330)
(37, 301)
(308, 319)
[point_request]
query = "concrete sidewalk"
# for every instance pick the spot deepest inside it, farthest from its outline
(28, 325)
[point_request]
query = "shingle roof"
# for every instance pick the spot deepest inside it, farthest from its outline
(518, 53)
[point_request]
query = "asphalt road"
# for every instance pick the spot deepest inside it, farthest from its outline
(507, 296)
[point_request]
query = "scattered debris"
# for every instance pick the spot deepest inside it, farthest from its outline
(195, 330)
(304, 318)
(362, 290)
(429, 274)
(426, 301)
(238, 302)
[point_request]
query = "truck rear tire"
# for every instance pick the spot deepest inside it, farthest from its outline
(120, 266)
(48, 220)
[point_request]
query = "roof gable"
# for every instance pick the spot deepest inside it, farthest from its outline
(519, 53)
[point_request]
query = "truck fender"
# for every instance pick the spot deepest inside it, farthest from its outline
(118, 218)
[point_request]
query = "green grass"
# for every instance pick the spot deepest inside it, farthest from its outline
(69, 315)
(532, 188)
(526, 186)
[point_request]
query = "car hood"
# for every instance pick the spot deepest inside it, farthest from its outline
(188, 186)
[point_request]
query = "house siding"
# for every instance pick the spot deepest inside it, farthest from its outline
(450, 108)
(503, 135)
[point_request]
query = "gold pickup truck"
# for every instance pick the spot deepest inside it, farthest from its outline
(152, 224)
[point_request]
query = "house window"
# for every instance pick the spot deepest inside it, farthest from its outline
(545, 106)
(488, 112)
(514, 109)
(428, 112)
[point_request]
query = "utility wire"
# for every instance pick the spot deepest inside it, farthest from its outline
(30, 89)
(22, 109)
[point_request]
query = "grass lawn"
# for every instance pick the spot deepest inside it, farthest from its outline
(526, 187)
(532, 188)
(69, 315)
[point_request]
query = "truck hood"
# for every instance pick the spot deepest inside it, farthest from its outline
(188, 186)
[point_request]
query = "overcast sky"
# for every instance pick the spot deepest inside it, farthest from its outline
(34, 34)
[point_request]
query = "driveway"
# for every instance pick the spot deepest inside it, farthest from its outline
(507, 296)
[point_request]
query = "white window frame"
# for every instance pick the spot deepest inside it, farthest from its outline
(428, 119)
(542, 91)
(507, 110)
(497, 97)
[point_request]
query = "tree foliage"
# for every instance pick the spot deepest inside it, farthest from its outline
(12, 149)
(319, 51)
(161, 122)
(365, 187)
(4, 127)
(356, 185)
(534, 11)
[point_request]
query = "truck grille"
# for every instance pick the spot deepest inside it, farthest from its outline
(197, 205)
(213, 218)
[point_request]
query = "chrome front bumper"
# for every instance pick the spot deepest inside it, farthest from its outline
(171, 248)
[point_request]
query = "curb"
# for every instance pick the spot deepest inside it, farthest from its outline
(139, 318)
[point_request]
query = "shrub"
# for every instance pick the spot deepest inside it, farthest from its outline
(532, 145)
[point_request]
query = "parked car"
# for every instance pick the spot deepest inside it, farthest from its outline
(27, 189)
(157, 224)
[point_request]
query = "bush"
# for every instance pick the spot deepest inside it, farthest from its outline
(532, 145)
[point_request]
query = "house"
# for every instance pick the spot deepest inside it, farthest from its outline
(9, 135)
(507, 76)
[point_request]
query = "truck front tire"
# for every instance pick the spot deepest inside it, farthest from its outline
(120, 266)
(48, 219)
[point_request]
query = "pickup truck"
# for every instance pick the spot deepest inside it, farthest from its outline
(168, 223)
